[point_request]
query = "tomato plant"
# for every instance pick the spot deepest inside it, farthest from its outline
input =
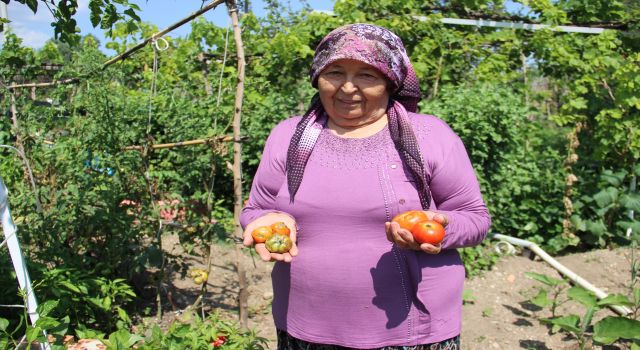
(428, 231)
(279, 243)
(262, 234)
(409, 218)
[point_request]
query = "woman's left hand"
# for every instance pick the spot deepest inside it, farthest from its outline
(404, 239)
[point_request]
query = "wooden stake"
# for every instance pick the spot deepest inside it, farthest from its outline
(182, 143)
(434, 92)
(243, 294)
(36, 85)
(16, 130)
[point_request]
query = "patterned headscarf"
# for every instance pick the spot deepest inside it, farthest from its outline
(383, 50)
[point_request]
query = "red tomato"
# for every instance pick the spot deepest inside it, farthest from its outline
(409, 218)
(428, 231)
(219, 341)
(261, 234)
(280, 228)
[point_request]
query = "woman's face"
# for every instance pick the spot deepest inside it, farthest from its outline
(353, 93)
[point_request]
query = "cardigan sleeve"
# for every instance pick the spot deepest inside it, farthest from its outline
(270, 175)
(456, 193)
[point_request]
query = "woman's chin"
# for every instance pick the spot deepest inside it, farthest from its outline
(349, 113)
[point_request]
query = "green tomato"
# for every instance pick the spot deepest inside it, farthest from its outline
(278, 243)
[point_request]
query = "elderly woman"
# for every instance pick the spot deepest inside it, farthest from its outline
(337, 176)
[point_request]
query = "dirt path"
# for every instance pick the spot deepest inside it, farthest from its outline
(498, 317)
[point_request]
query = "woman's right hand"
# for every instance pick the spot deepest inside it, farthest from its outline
(261, 249)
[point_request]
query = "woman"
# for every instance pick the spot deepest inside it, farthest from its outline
(337, 176)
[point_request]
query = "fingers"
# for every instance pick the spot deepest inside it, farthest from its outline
(294, 248)
(439, 217)
(262, 251)
(430, 248)
(247, 239)
(401, 237)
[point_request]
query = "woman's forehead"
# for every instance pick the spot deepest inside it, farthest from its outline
(351, 64)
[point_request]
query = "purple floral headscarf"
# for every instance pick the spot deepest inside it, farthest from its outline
(377, 47)
(383, 50)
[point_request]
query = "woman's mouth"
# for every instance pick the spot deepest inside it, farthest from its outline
(351, 103)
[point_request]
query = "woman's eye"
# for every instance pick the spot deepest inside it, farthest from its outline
(368, 76)
(334, 73)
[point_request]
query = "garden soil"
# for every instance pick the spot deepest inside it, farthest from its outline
(497, 313)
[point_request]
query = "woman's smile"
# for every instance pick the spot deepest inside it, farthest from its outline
(349, 103)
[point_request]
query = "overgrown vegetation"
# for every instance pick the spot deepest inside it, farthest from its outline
(550, 120)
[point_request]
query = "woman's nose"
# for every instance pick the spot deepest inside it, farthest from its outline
(349, 87)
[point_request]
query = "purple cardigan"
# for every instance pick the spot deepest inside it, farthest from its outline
(349, 285)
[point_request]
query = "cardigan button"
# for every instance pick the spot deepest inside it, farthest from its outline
(401, 201)
(393, 166)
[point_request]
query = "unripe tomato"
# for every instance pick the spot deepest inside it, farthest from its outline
(409, 218)
(199, 275)
(279, 243)
(261, 234)
(280, 228)
(428, 231)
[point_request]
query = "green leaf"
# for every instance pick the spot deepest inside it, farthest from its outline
(596, 227)
(131, 13)
(47, 322)
(122, 314)
(541, 299)
(95, 7)
(32, 333)
(631, 201)
(586, 319)
(71, 287)
(98, 302)
(122, 339)
(530, 226)
(86, 333)
(550, 281)
(568, 323)
(33, 5)
(614, 179)
(45, 308)
(583, 296)
(578, 223)
(468, 297)
(612, 328)
(615, 299)
(606, 196)
(4, 323)
(625, 225)
(62, 327)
